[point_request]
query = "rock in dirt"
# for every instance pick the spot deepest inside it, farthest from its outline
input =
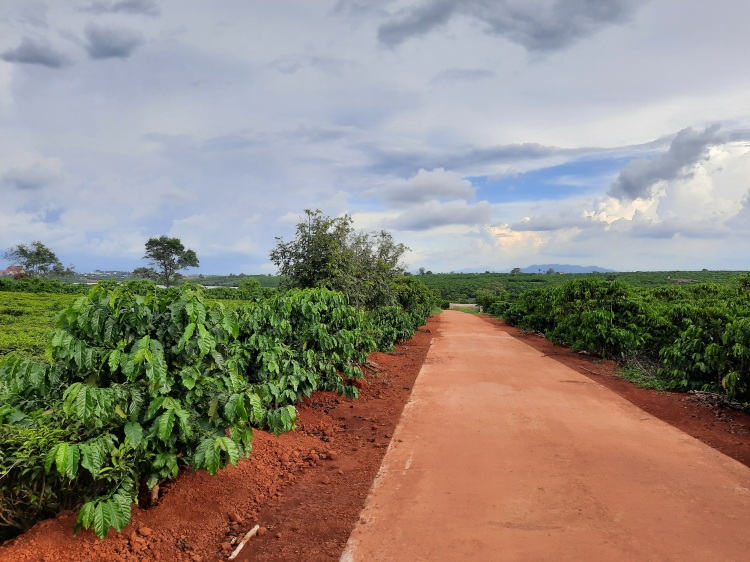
(196, 558)
(326, 480)
(235, 518)
(144, 531)
(278, 535)
(261, 531)
(333, 455)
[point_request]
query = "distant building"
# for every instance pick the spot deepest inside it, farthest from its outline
(561, 273)
(11, 271)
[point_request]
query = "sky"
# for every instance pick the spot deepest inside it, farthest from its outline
(484, 134)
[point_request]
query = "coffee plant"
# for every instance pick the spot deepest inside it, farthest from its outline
(699, 334)
(139, 383)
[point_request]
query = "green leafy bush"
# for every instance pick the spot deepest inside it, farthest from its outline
(700, 333)
(147, 380)
(136, 386)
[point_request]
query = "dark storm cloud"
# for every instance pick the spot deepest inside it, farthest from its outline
(638, 176)
(32, 51)
(137, 7)
(462, 75)
(546, 26)
(105, 42)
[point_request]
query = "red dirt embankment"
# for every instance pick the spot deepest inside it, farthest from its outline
(305, 489)
(725, 430)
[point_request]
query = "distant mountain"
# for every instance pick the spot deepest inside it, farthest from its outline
(567, 268)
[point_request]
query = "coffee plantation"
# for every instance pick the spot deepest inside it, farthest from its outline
(135, 384)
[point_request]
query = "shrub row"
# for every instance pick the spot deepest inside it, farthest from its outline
(699, 334)
(137, 385)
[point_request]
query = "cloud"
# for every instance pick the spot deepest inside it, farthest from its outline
(35, 176)
(434, 214)
(642, 226)
(105, 42)
(423, 187)
(32, 51)
(136, 7)
(551, 221)
(741, 221)
(359, 8)
(402, 161)
(453, 75)
(289, 64)
(547, 25)
(638, 176)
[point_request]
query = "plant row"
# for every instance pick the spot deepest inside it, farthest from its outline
(698, 335)
(250, 290)
(136, 386)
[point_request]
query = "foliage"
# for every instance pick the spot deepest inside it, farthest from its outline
(328, 253)
(27, 321)
(27, 493)
(699, 333)
(392, 324)
(459, 287)
(410, 293)
(37, 285)
(149, 381)
(140, 382)
(168, 256)
(247, 293)
(37, 260)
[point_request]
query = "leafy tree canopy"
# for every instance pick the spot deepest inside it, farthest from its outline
(168, 256)
(37, 260)
(328, 252)
(515, 271)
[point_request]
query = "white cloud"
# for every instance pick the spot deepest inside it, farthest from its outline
(196, 123)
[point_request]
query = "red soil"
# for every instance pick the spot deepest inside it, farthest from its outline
(725, 430)
(306, 488)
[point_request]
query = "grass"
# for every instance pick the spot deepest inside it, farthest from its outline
(639, 378)
(467, 309)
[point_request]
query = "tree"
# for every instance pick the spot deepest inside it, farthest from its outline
(249, 285)
(515, 271)
(550, 271)
(37, 260)
(328, 252)
(167, 256)
(421, 270)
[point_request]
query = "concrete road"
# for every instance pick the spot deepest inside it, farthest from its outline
(506, 455)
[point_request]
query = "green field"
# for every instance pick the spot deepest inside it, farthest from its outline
(231, 280)
(461, 286)
(26, 321)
